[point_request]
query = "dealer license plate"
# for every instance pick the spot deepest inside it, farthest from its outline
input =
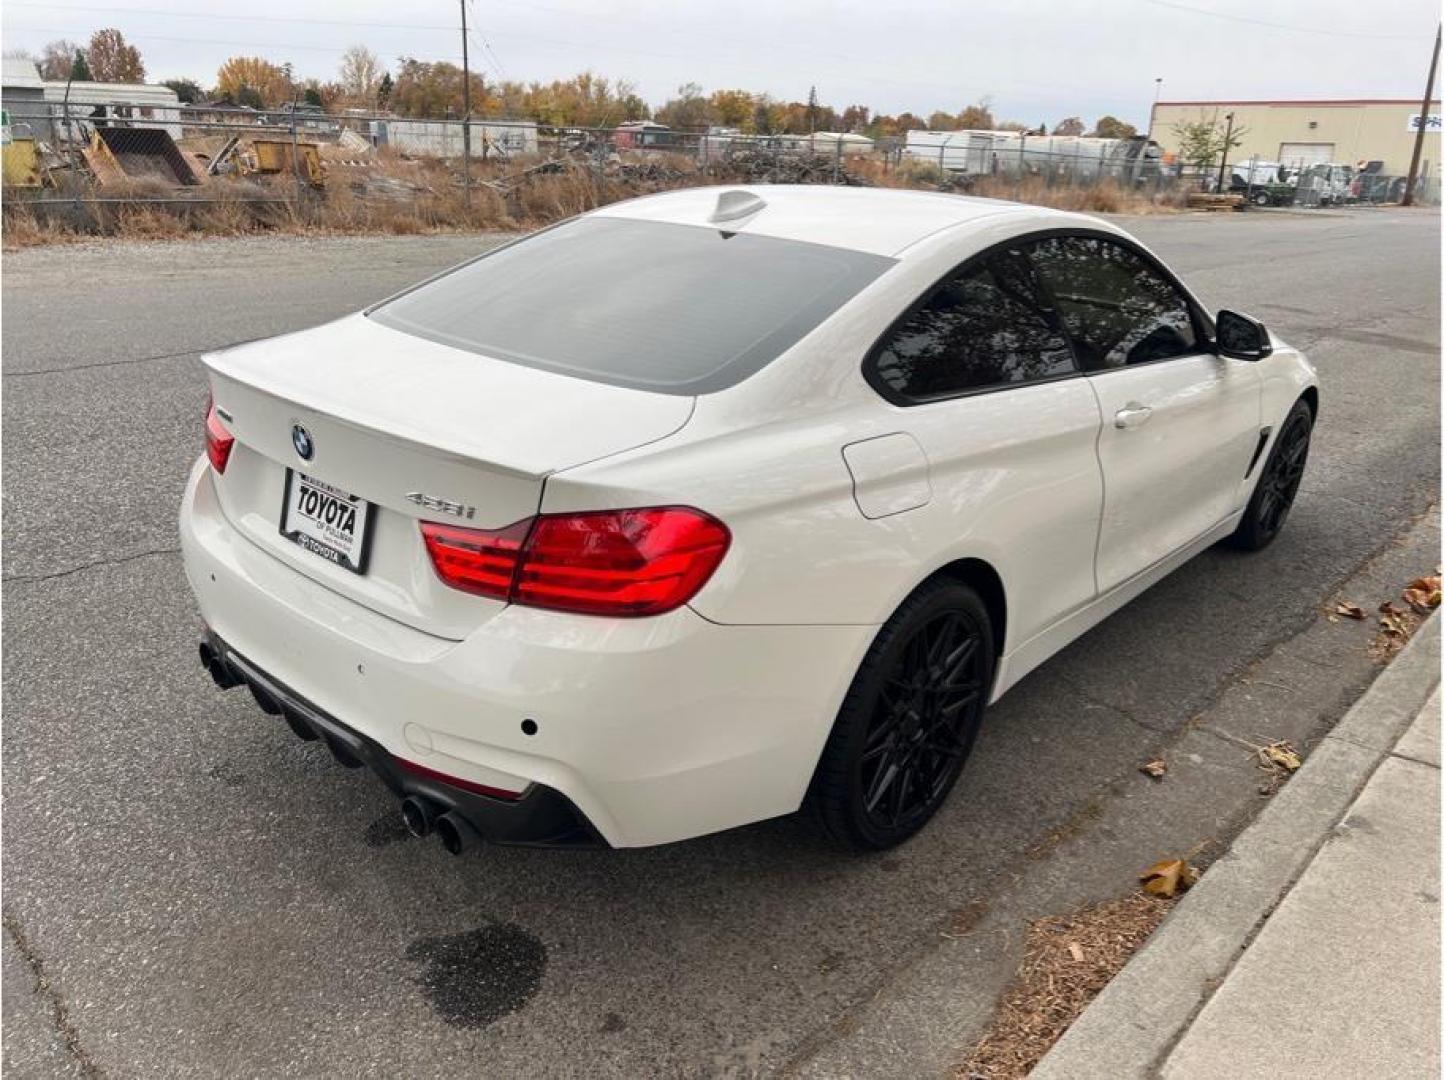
(326, 521)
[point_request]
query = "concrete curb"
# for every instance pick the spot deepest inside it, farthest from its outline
(1132, 1025)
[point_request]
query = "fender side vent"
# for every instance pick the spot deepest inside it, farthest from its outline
(1263, 438)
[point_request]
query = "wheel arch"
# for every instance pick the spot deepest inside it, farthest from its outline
(984, 579)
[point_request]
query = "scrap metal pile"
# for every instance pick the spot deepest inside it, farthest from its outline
(114, 155)
(769, 167)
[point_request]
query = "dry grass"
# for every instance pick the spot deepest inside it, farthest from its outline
(20, 228)
(1106, 197)
(1067, 960)
(392, 193)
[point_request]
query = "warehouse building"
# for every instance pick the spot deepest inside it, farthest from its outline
(44, 103)
(1298, 133)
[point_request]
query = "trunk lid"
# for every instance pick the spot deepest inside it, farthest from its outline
(419, 430)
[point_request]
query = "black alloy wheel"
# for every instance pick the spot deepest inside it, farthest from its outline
(1278, 484)
(909, 720)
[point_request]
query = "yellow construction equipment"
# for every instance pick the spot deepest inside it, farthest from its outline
(21, 162)
(18, 151)
(281, 155)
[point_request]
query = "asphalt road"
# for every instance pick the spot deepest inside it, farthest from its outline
(189, 890)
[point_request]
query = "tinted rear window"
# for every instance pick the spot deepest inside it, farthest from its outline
(672, 308)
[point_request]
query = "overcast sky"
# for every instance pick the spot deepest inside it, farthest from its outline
(1038, 60)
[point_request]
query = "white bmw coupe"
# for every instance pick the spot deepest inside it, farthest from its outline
(703, 507)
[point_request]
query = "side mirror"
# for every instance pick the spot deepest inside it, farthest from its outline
(1241, 337)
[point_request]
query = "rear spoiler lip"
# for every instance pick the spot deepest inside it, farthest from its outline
(371, 428)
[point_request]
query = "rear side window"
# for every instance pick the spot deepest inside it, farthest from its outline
(984, 327)
(677, 309)
(1118, 307)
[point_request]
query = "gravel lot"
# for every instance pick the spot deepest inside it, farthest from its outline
(189, 890)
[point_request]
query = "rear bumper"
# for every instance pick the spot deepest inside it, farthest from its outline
(537, 816)
(651, 730)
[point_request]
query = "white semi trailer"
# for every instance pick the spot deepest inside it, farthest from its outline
(1013, 153)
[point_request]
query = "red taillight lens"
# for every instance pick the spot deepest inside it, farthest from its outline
(620, 562)
(476, 560)
(218, 440)
(609, 562)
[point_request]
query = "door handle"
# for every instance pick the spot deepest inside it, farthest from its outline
(1131, 415)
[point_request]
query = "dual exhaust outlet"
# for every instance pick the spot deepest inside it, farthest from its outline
(220, 672)
(421, 815)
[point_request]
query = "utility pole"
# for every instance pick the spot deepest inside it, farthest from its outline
(1227, 141)
(1408, 199)
(1157, 91)
(1148, 139)
(465, 115)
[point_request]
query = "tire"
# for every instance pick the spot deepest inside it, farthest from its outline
(914, 707)
(1260, 198)
(1278, 482)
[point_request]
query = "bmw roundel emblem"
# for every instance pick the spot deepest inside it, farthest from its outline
(301, 440)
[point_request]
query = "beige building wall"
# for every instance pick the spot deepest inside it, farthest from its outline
(1342, 132)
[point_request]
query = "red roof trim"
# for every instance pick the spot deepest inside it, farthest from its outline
(1313, 101)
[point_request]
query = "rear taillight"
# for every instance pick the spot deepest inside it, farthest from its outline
(218, 440)
(476, 560)
(607, 562)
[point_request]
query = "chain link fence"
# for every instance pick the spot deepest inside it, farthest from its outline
(300, 157)
(1319, 185)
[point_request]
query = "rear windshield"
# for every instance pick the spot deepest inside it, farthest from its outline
(677, 309)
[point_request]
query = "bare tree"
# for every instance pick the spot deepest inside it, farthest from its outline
(57, 58)
(360, 74)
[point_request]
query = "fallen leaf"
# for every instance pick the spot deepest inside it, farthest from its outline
(1279, 755)
(1349, 610)
(1168, 878)
(1076, 951)
(1154, 769)
(1391, 620)
(1422, 594)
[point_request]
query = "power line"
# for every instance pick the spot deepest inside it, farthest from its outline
(206, 15)
(1273, 25)
(545, 41)
(486, 45)
(231, 42)
(108, 8)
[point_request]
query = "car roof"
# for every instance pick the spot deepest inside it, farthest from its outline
(882, 221)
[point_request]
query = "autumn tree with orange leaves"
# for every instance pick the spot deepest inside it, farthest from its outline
(264, 80)
(112, 59)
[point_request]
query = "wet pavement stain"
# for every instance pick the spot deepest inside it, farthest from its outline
(474, 978)
(386, 830)
(613, 1023)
